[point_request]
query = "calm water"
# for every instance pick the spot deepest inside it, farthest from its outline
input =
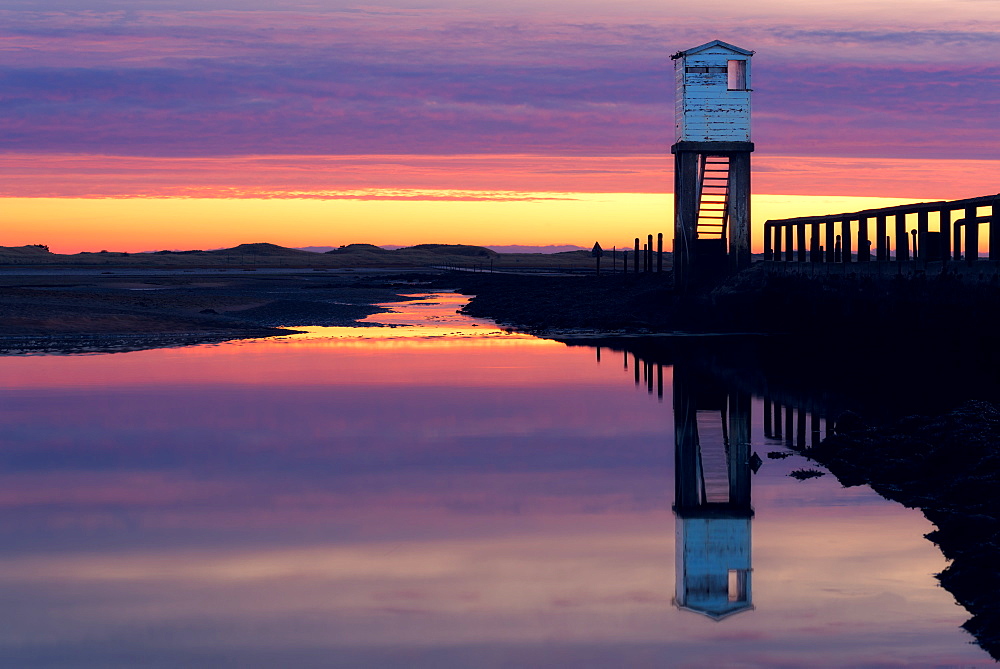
(438, 495)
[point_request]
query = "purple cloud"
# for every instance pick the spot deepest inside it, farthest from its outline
(223, 83)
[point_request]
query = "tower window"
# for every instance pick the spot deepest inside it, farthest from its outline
(737, 71)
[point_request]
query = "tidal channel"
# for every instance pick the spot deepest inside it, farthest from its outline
(433, 491)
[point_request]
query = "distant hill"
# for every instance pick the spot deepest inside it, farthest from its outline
(452, 250)
(262, 249)
(551, 248)
(32, 250)
(253, 256)
(359, 248)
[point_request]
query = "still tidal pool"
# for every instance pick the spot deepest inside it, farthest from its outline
(434, 492)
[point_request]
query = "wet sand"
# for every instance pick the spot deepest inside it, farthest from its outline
(87, 310)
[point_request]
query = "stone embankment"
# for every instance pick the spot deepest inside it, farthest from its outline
(858, 308)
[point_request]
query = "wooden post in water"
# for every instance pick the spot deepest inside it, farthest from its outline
(768, 248)
(649, 245)
(837, 252)
(777, 242)
(789, 244)
(831, 250)
(767, 417)
(659, 252)
(636, 256)
(814, 247)
(800, 241)
(777, 420)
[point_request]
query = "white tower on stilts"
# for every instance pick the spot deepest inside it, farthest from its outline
(711, 162)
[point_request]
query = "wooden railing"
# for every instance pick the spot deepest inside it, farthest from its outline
(901, 233)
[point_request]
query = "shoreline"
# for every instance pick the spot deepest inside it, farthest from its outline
(88, 312)
(73, 344)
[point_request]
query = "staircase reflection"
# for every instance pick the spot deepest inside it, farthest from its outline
(802, 401)
(713, 464)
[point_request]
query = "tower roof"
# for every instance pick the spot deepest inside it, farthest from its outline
(709, 45)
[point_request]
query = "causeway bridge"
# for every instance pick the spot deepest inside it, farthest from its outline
(926, 237)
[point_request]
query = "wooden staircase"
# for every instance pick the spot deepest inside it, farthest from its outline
(713, 197)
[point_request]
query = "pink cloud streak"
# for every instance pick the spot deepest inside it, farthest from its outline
(466, 177)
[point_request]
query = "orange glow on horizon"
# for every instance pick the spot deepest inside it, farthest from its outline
(93, 203)
(139, 225)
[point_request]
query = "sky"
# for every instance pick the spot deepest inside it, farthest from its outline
(178, 124)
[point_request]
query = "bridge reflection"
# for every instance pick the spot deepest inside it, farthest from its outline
(715, 463)
(718, 382)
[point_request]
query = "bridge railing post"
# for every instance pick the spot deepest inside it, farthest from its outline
(845, 237)
(864, 245)
(945, 226)
(902, 240)
(922, 235)
(881, 250)
(994, 252)
(971, 235)
(800, 239)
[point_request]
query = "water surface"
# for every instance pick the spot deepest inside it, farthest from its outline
(432, 493)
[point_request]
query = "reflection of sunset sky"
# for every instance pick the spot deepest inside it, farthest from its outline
(451, 104)
(506, 498)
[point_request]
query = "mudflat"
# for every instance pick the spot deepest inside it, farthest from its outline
(79, 310)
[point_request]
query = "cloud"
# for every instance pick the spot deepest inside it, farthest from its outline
(481, 178)
(447, 82)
